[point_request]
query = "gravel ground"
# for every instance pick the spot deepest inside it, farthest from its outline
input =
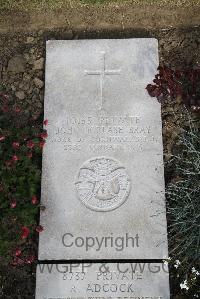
(38, 4)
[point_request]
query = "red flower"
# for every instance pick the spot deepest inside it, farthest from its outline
(17, 109)
(46, 122)
(15, 145)
(5, 96)
(13, 204)
(39, 229)
(34, 200)
(30, 259)
(30, 155)
(30, 144)
(2, 138)
(25, 232)
(18, 252)
(15, 158)
(42, 143)
(5, 109)
(17, 262)
(44, 135)
(153, 90)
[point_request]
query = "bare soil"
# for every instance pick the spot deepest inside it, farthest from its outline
(113, 16)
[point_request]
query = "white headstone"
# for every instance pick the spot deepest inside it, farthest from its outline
(103, 178)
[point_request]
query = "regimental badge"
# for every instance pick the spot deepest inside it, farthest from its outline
(103, 184)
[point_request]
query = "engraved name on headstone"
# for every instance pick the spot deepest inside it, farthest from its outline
(103, 281)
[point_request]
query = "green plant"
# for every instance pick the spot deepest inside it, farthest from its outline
(21, 143)
(183, 194)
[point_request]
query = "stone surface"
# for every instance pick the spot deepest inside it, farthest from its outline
(103, 178)
(20, 95)
(38, 64)
(38, 83)
(130, 281)
(30, 40)
(16, 64)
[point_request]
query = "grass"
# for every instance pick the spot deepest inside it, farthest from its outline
(55, 4)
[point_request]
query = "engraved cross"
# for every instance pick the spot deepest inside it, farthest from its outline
(103, 73)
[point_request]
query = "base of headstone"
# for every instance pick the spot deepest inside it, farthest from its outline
(103, 281)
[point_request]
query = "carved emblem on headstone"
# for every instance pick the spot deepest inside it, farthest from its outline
(103, 184)
(103, 73)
